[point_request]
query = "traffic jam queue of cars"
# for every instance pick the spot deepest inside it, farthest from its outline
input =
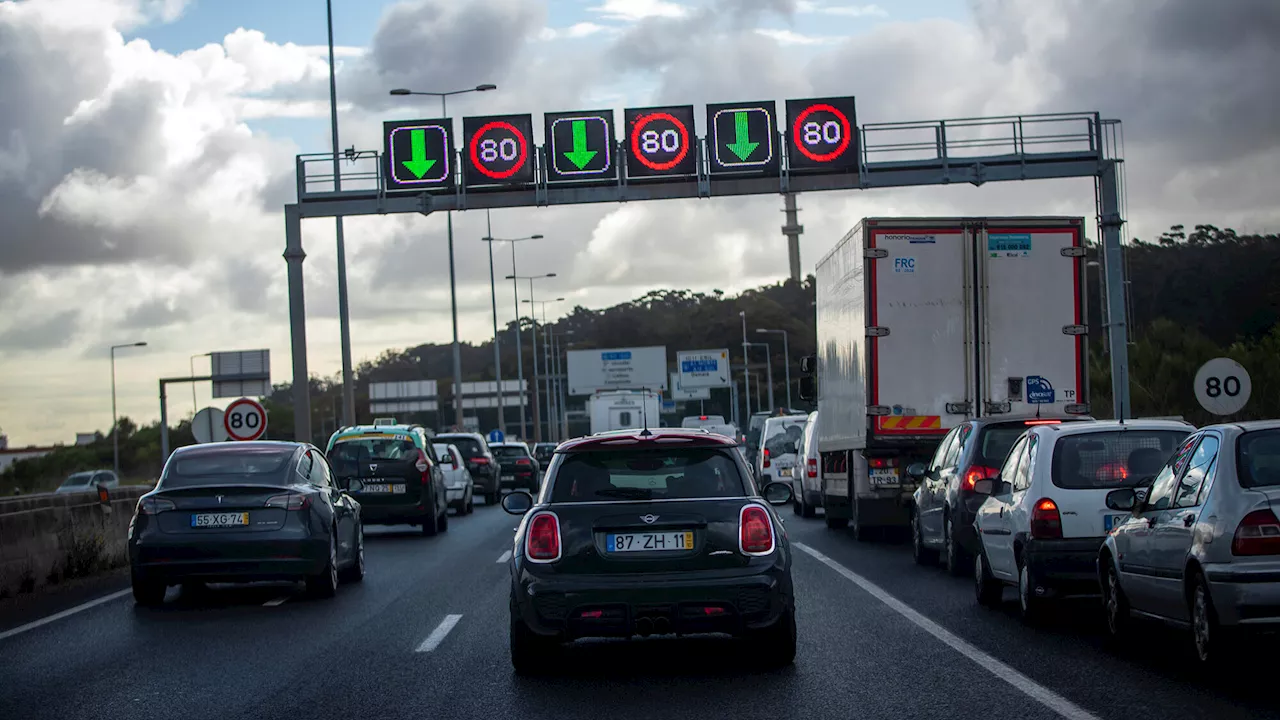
(259, 511)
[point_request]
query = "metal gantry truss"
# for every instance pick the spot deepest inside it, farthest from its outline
(970, 151)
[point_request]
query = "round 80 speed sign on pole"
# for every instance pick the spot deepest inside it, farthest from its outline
(245, 419)
(1223, 386)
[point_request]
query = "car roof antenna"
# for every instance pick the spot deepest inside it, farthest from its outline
(644, 412)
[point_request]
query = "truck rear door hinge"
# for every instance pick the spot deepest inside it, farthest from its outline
(877, 409)
(1073, 251)
(1078, 409)
(877, 331)
(960, 408)
(997, 408)
(1075, 329)
(875, 253)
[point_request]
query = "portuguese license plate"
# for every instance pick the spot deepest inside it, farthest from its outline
(884, 477)
(217, 520)
(384, 489)
(508, 477)
(649, 541)
(1113, 521)
(784, 472)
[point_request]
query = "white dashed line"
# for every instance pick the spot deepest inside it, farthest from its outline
(58, 616)
(276, 601)
(1031, 688)
(504, 557)
(438, 635)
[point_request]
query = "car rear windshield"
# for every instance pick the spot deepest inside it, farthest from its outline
(665, 474)
(995, 441)
(235, 467)
(1258, 462)
(1112, 459)
(509, 451)
(365, 448)
(781, 432)
(468, 446)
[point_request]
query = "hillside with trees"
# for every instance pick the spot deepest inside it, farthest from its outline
(1193, 295)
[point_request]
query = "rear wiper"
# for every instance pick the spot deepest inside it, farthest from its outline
(629, 493)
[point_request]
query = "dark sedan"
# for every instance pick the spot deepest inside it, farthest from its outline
(652, 532)
(244, 512)
(519, 468)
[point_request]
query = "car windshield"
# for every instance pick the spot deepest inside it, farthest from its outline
(1112, 459)
(648, 475)
(1258, 461)
(509, 451)
(77, 479)
(236, 466)
(469, 447)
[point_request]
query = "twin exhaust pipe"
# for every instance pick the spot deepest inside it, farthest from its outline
(656, 626)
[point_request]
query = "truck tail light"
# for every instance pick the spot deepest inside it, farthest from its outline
(1046, 522)
(755, 531)
(543, 541)
(882, 462)
(1258, 534)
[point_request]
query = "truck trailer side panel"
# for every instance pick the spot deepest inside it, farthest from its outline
(842, 356)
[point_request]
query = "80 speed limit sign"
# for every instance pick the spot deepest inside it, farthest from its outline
(245, 419)
(1223, 386)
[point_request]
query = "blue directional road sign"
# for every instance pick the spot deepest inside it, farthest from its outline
(496, 436)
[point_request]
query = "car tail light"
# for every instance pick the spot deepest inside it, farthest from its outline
(543, 541)
(882, 462)
(812, 466)
(765, 462)
(1042, 422)
(976, 473)
(480, 460)
(154, 505)
(755, 531)
(289, 501)
(1258, 534)
(702, 417)
(524, 461)
(1046, 523)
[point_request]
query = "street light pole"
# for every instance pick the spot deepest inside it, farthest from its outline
(546, 359)
(453, 281)
(786, 359)
(515, 279)
(497, 351)
(115, 423)
(768, 362)
(746, 367)
(344, 311)
(493, 296)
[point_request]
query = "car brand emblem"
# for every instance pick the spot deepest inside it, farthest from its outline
(649, 519)
(373, 467)
(219, 499)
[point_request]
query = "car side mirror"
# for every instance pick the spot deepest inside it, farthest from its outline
(991, 486)
(1123, 499)
(916, 470)
(808, 388)
(517, 503)
(778, 493)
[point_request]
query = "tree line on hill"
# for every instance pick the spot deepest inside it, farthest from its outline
(1193, 295)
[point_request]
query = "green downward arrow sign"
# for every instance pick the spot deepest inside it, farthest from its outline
(742, 145)
(580, 155)
(418, 164)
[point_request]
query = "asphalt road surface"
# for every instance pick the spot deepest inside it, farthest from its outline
(425, 636)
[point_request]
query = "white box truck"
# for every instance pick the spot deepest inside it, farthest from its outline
(923, 323)
(624, 410)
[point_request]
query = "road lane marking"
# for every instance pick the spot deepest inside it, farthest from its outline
(438, 635)
(65, 613)
(504, 557)
(1031, 688)
(276, 601)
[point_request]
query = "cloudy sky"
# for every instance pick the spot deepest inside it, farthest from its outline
(147, 146)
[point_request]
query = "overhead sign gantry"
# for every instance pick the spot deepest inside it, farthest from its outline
(746, 149)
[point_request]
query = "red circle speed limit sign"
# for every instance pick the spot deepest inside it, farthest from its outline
(245, 419)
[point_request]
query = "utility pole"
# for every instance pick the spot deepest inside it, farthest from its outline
(792, 231)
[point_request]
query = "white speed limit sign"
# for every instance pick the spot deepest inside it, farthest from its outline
(245, 419)
(1223, 386)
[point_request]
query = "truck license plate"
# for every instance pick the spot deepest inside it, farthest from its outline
(884, 477)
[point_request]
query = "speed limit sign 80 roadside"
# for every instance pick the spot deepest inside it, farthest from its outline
(1223, 386)
(245, 419)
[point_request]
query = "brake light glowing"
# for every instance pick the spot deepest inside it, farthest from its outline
(154, 505)
(1258, 534)
(480, 460)
(976, 473)
(289, 501)
(1042, 422)
(542, 543)
(1046, 522)
(765, 462)
(812, 467)
(524, 461)
(702, 417)
(882, 462)
(755, 531)
(1112, 473)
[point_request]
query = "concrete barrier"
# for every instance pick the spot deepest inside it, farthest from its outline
(49, 537)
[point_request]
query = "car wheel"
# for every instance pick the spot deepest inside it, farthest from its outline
(1212, 643)
(955, 555)
(530, 652)
(431, 522)
(1115, 604)
(778, 642)
(355, 572)
(986, 587)
(471, 502)
(148, 593)
(921, 554)
(1030, 605)
(325, 584)
(444, 517)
